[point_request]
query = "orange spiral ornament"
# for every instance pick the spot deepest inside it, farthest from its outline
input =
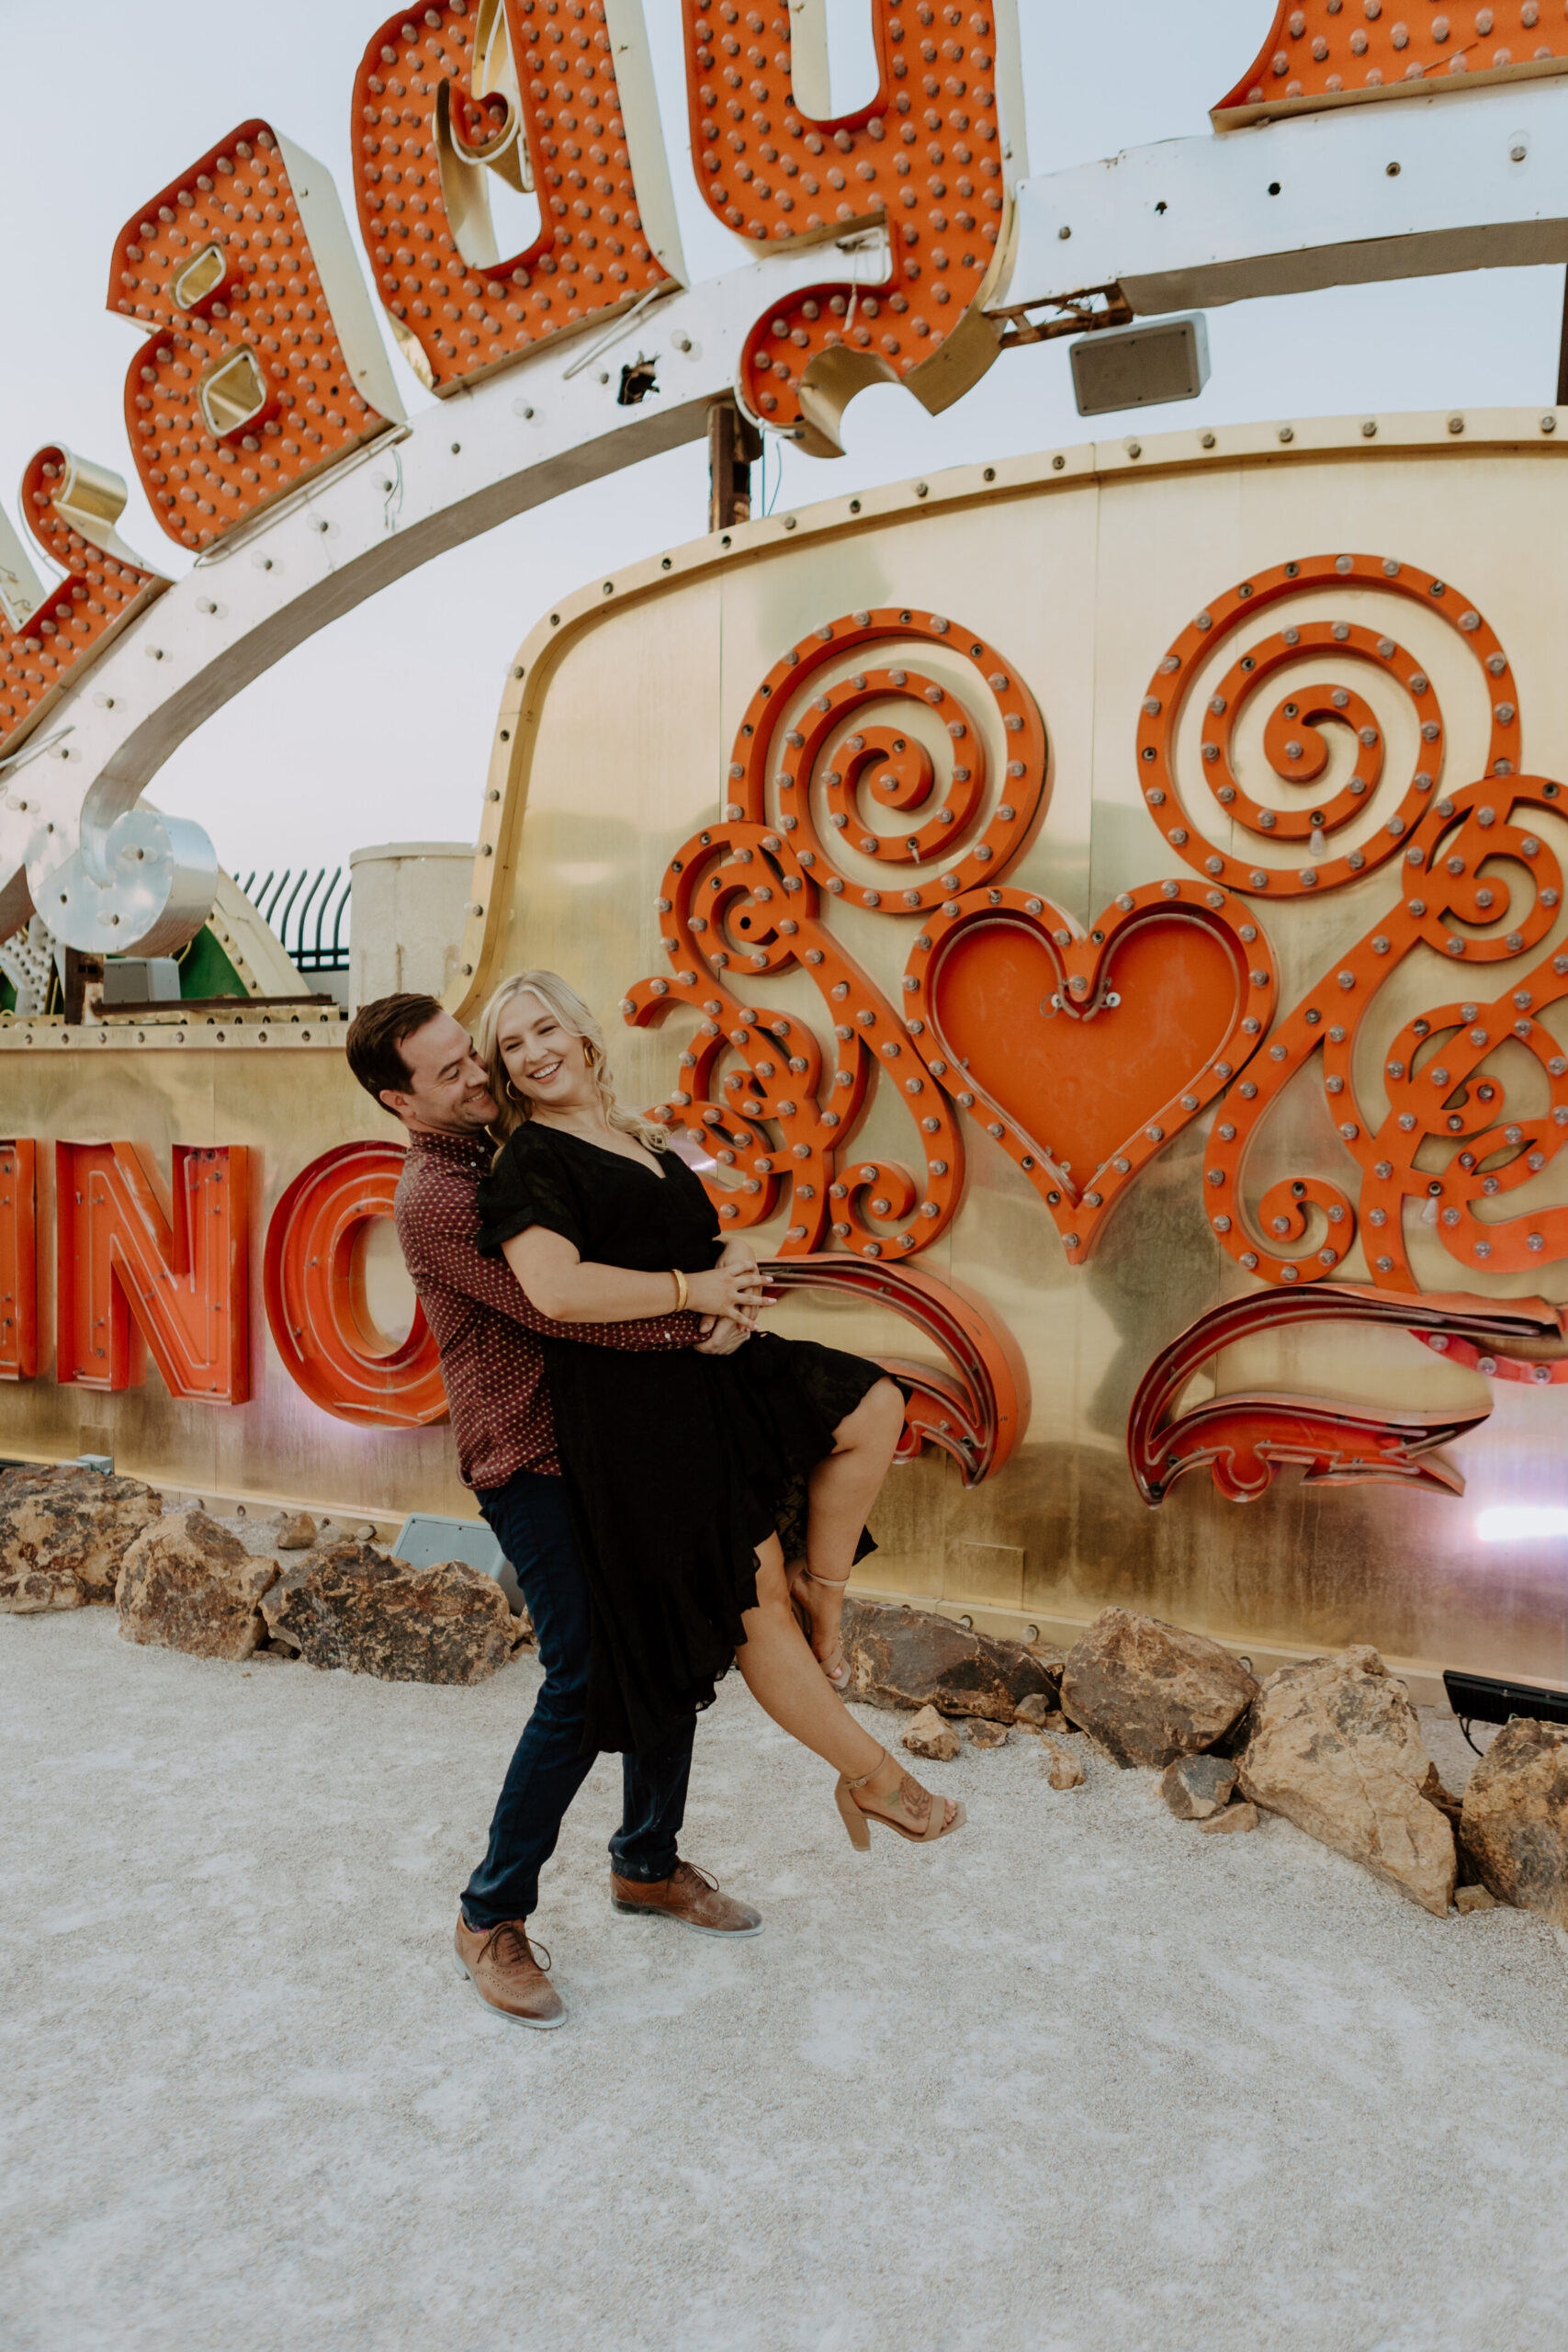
(743, 900)
(1293, 737)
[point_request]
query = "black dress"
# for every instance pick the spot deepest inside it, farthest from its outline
(677, 1466)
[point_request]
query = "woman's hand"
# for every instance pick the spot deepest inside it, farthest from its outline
(739, 1255)
(734, 1291)
(721, 1337)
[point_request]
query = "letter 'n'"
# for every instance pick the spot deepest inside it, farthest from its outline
(129, 1278)
(18, 1262)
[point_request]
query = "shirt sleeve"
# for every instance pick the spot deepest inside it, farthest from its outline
(438, 1225)
(525, 1188)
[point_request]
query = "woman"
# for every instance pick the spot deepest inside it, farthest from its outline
(680, 1466)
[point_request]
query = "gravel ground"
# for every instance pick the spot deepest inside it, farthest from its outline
(1081, 2078)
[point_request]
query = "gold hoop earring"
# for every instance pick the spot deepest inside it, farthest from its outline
(512, 1094)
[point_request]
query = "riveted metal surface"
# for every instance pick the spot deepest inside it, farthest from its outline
(623, 721)
(1081, 582)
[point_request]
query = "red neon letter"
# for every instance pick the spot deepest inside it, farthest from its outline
(928, 159)
(71, 508)
(126, 1276)
(265, 366)
(315, 1302)
(550, 100)
(18, 1260)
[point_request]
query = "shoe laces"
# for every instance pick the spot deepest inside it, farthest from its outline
(509, 1941)
(694, 1869)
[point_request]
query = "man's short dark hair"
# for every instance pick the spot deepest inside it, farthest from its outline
(375, 1040)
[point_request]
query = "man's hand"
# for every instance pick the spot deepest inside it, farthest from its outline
(722, 1335)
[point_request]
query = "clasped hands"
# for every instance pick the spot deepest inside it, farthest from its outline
(729, 1299)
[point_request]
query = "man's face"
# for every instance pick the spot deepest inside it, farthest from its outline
(447, 1088)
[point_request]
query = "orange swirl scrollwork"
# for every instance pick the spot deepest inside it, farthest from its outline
(1443, 1103)
(866, 771)
(742, 902)
(1293, 741)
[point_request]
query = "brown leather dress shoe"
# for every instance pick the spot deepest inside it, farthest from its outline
(500, 1963)
(691, 1898)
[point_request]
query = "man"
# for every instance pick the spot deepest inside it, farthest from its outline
(418, 1063)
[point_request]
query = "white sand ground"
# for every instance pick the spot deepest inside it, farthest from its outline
(1082, 2078)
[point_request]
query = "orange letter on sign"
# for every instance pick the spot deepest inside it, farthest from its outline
(551, 94)
(928, 158)
(1310, 60)
(70, 507)
(18, 1260)
(267, 365)
(315, 1301)
(119, 1258)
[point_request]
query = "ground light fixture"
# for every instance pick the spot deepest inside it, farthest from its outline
(1476, 1698)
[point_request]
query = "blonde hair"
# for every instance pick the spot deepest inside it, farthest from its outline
(576, 1018)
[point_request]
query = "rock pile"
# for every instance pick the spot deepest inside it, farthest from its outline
(183, 1580)
(1331, 1744)
(352, 1605)
(188, 1584)
(63, 1534)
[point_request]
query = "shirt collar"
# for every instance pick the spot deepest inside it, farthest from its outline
(467, 1151)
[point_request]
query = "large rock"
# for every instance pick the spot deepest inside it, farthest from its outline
(63, 1534)
(352, 1605)
(908, 1658)
(1335, 1747)
(1514, 1825)
(1149, 1692)
(188, 1584)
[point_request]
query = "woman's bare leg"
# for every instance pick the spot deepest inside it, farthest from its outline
(841, 1490)
(788, 1684)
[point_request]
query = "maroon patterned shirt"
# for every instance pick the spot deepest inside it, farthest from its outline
(485, 1326)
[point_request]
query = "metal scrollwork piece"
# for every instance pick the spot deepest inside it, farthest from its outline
(1245, 1438)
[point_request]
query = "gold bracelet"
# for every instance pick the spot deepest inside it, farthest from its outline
(680, 1293)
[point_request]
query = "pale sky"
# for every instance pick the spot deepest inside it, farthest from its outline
(98, 109)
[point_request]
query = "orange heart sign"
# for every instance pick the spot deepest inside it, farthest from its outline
(1084, 1054)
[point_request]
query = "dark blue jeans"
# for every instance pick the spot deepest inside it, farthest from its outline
(532, 1525)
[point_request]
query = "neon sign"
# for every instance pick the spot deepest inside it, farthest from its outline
(261, 388)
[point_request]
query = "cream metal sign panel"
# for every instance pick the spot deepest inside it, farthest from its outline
(1025, 1053)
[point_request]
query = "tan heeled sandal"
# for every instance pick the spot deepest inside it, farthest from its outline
(857, 1821)
(835, 1665)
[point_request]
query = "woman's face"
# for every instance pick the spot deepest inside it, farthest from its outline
(545, 1062)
